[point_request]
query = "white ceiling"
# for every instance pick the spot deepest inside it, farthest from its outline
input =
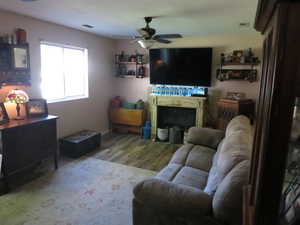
(116, 18)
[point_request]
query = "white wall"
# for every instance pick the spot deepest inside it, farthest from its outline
(75, 115)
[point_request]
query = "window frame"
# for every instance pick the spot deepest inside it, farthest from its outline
(86, 73)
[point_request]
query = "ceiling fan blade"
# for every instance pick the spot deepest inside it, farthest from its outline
(168, 36)
(164, 41)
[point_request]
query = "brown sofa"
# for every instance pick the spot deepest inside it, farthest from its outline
(203, 182)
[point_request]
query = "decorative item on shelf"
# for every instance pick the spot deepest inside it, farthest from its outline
(116, 102)
(139, 58)
(21, 36)
(122, 69)
(3, 117)
(235, 95)
(131, 72)
(132, 58)
(18, 37)
(140, 104)
(128, 105)
(122, 57)
(234, 74)
(36, 108)
(117, 58)
(222, 58)
(141, 72)
(18, 97)
(237, 54)
(238, 58)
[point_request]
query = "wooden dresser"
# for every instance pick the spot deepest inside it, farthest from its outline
(23, 143)
(227, 109)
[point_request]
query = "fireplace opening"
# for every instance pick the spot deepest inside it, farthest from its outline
(168, 117)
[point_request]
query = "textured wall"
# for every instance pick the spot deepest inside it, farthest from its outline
(78, 114)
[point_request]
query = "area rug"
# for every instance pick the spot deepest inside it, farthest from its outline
(134, 151)
(88, 191)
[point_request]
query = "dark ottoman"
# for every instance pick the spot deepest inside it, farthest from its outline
(80, 143)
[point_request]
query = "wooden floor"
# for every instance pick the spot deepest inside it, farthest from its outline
(132, 150)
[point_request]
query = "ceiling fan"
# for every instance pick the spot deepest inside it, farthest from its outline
(147, 36)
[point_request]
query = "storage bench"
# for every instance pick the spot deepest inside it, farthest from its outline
(80, 143)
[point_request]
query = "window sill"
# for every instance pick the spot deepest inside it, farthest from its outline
(67, 99)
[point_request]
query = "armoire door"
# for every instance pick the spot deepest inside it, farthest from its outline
(280, 75)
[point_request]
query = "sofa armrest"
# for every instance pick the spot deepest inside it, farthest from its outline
(205, 136)
(174, 198)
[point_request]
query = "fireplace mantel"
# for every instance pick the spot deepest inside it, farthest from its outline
(197, 103)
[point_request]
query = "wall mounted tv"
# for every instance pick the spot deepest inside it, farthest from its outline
(181, 66)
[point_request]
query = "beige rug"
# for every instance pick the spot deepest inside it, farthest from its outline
(87, 191)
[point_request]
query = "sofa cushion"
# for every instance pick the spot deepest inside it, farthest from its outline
(181, 154)
(174, 198)
(238, 123)
(231, 154)
(205, 136)
(169, 172)
(227, 201)
(235, 147)
(200, 157)
(212, 180)
(196, 156)
(191, 177)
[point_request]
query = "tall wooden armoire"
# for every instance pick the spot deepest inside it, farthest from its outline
(279, 22)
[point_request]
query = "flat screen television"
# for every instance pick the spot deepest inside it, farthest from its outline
(181, 66)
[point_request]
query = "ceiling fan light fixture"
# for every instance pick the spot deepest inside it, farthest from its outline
(146, 43)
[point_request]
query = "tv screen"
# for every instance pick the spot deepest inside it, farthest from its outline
(181, 66)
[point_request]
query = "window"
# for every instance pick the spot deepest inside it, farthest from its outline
(64, 72)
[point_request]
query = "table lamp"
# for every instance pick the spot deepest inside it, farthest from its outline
(17, 96)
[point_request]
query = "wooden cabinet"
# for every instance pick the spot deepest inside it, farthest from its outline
(26, 142)
(129, 119)
(279, 23)
(14, 64)
(227, 109)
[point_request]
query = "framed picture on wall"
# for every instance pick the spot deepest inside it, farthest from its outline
(36, 108)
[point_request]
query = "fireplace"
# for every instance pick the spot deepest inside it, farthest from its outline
(170, 111)
(175, 116)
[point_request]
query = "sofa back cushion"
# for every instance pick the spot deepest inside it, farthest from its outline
(205, 136)
(234, 148)
(227, 201)
(238, 123)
